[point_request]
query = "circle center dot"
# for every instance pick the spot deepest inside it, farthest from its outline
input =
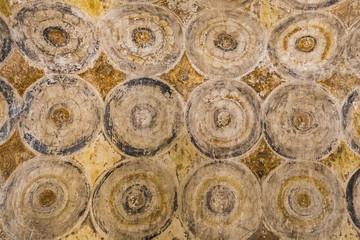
(306, 43)
(60, 116)
(303, 200)
(225, 42)
(46, 198)
(302, 121)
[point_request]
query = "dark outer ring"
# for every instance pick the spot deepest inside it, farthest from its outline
(28, 99)
(102, 227)
(350, 198)
(118, 94)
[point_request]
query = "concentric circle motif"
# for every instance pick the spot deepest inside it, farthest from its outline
(223, 118)
(221, 200)
(353, 198)
(353, 48)
(143, 116)
(9, 110)
(5, 40)
(307, 46)
(134, 200)
(44, 199)
(225, 4)
(311, 5)
(225, 43)
(56, 36)
(61, 114)
(303, 200)
(351, 120)
(301, 121)
(142, 38)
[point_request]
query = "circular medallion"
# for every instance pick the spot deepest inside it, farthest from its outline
(44, 199)
(9, 110)
(311, 4)
(134, 200)
(5, 40)
(221, 200)
(307, 46)
(301, 121)
(56, 36)
(303, 200)
(225, 43)
(223, 118)
(351, 120)
(143, 116)
(61, 114)
(142, 38)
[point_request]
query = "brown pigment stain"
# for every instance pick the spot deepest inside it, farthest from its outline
(103, 76)
(20, 77)
(142, 37)
(5, 8)
(263, 80)
(340, 84)
(46, 198)
(183, 77)
(13, 153)
(343, 161)
(302, 122)
(60, 116)
(57, 37)
(303, 200)
(262, 161)
(263, 234)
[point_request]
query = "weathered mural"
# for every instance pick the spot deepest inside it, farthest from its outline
(180, 119)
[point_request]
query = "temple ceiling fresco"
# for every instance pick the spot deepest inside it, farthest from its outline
(180, 119)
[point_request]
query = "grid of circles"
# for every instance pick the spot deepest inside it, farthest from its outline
(300, 199)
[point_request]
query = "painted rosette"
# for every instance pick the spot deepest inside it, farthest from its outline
(221, 200)
(304, 200)
(142, 38)
(61, 114)
(223, 118)
(134, 200)
(307, 46)
(5, 40)
(143, 116)
(225, 43)
(311, 4)
(44, 199)
(9, 110)
(301, 121)
(351, 120)
(56, 36)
